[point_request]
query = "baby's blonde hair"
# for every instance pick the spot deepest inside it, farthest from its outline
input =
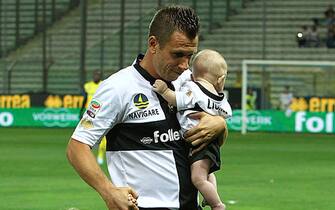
(209, 65)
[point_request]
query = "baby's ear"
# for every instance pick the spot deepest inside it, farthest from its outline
(220, 83)
(221, 79)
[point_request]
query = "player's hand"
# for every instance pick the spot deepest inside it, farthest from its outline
(121, 198)
(159, 86)
(208, 128)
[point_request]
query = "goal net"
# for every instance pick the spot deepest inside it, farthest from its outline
(305, 87)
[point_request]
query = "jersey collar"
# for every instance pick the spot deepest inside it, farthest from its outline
(210, 94)
(142, 71)
(145, 73)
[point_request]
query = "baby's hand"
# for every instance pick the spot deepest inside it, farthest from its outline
(159, 86)
(132, 200)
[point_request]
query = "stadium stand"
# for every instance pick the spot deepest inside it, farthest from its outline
(242, 38)
(64, 41)
(239, 38)
(64, 47)
(21, 21)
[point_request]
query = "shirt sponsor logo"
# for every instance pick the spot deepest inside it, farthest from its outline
(146, 140)
(141, 101)
(143, 114)
(93, 108)
(171, 135)
(215, 106)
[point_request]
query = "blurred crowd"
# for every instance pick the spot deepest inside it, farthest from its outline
(309, 36)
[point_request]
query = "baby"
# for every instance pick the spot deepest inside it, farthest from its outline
(203, 91)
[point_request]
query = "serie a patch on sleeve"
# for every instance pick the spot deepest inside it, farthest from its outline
(93, 108)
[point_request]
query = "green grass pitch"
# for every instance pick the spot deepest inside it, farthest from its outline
(262, 171)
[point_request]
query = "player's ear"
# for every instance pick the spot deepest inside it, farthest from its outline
(153, 44)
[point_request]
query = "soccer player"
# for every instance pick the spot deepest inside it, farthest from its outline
(146, 156)
(90, 88)
(285, 99)
(202, 92)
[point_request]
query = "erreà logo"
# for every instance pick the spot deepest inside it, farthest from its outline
(141, 101)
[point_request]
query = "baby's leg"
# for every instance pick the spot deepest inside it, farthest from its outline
(212, 179)
(199, 171)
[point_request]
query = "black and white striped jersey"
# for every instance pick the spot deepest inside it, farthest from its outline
(144, 148)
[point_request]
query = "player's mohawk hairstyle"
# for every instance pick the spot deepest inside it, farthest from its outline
(174, 18)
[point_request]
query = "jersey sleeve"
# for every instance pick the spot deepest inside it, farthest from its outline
(101, 115)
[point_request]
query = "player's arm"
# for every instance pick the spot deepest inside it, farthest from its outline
(83, 161)
(161, 88)
(223, 137)
(208, 128)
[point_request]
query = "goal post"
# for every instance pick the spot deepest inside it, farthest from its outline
(246, 64)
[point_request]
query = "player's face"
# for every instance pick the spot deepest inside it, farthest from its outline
(173, 59)
(96, 76)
